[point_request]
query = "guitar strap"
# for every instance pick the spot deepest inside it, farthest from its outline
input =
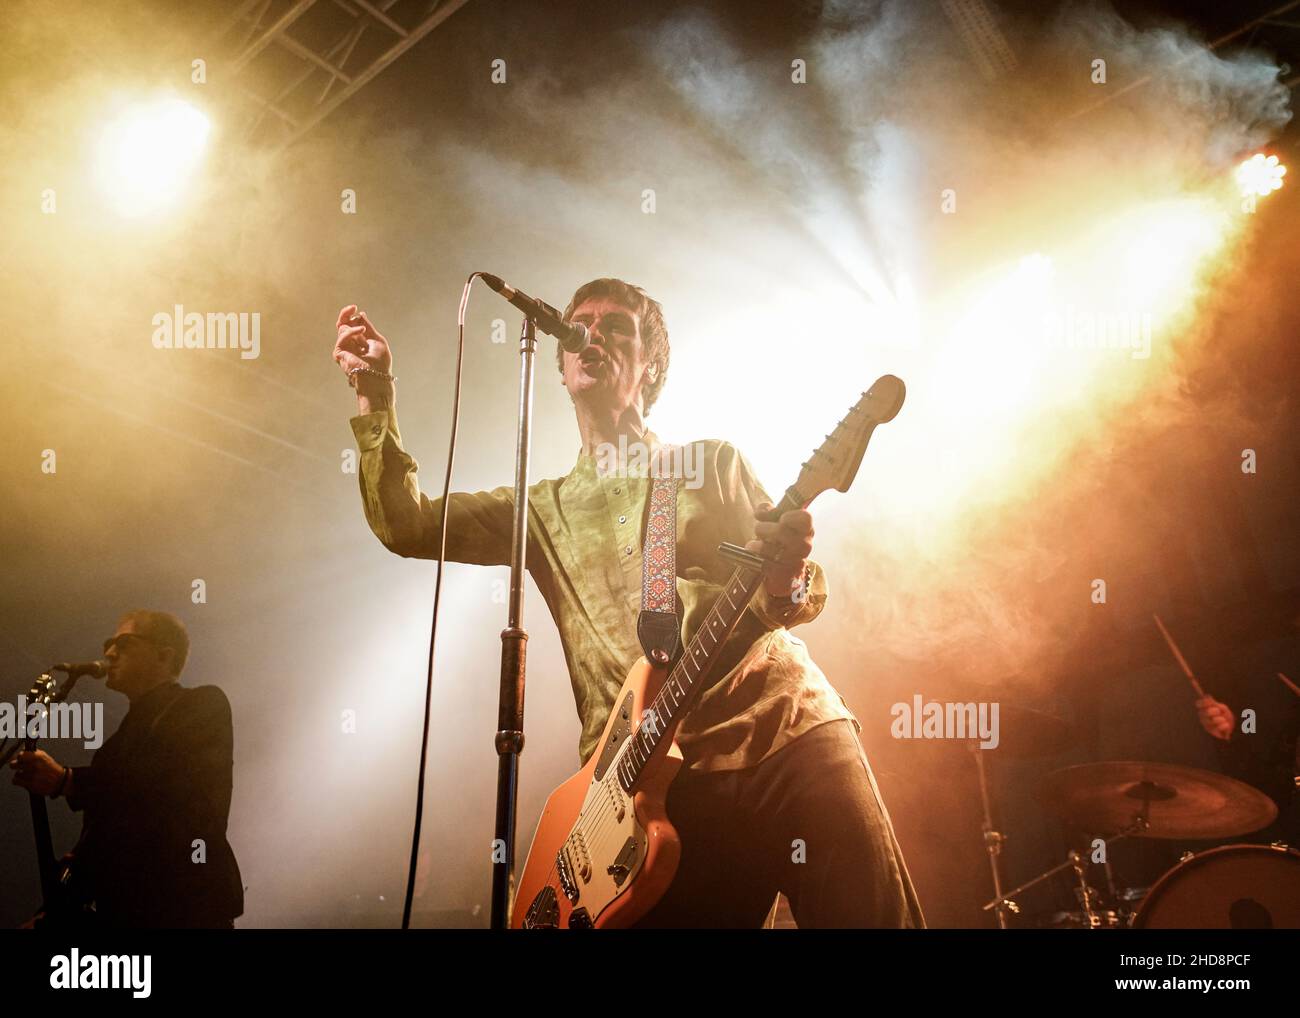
(657, 626)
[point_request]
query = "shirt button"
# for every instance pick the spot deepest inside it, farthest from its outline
(622, 519)
(628, 549)
(617, 491)
(376, 429)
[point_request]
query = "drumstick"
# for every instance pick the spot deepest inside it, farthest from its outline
(1290, 685)
(1178, 656)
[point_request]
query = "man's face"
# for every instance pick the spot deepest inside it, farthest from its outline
(135, 664)
(613, 368)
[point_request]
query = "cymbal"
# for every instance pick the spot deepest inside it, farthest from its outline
(1181, 802)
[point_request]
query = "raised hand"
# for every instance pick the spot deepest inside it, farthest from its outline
(365, 357)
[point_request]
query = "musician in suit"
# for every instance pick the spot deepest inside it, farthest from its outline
(776, 794)
(156, 796)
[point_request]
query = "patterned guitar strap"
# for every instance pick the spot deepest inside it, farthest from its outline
(657, 627)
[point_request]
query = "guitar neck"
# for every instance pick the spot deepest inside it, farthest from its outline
(44, 847)
(833, 465)
(688, 676)
(45, 694)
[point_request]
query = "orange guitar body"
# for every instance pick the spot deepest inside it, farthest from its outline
(602, 858)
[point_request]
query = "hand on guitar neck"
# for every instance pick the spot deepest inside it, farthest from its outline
(37, 771)
(787, 545)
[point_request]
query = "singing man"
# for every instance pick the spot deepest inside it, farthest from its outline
(775, 793)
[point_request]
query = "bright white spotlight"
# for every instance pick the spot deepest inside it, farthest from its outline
(1259, 175)
(147, 155)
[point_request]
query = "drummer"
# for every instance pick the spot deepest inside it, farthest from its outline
(1273, 766)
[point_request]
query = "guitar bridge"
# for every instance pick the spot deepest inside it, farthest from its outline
(565, 874)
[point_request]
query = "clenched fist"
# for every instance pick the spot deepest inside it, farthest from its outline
(1215, 717)
(787, 542)
(359, 347)
(38, 772)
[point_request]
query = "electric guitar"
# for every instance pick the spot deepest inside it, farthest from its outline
(605, 851)
(64, 905)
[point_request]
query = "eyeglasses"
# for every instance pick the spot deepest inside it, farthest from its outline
(112, 642)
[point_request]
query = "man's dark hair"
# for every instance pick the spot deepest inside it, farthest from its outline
(164, 630)
(654, 333)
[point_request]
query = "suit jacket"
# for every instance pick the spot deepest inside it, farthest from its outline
(160, 783)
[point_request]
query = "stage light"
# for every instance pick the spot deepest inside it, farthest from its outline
(1260, 175)
(148, 153)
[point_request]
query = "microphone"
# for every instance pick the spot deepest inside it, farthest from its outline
(573, 337)
(95, 669)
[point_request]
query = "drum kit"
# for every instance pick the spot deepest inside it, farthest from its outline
(1243, 886)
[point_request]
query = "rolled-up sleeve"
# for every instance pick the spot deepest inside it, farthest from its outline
(480, 525)
(795, 609)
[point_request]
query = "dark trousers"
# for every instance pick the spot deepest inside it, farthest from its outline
(808, 822)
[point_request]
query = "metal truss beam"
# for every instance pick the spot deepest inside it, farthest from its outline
(288, 83)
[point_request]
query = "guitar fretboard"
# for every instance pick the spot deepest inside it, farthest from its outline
(686, 679)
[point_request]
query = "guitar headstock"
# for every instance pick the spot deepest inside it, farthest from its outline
(836, 462)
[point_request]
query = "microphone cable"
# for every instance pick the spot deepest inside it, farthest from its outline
(437, 599)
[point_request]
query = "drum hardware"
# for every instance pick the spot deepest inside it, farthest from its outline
(993, 839)
(1144, 800)
(1022, 733)
(1091, 916)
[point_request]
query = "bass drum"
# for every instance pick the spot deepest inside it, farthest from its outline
(1246, 887)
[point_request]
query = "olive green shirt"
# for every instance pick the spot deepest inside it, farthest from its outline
(584, 554)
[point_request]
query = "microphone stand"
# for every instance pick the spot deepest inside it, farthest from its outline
(514, 643)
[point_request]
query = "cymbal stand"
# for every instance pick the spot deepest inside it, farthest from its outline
(993, 840)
